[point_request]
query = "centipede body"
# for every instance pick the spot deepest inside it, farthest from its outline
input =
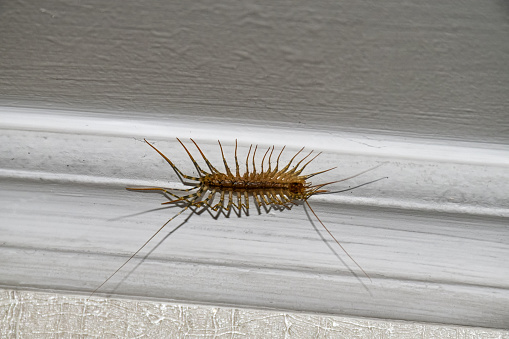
(269, 187)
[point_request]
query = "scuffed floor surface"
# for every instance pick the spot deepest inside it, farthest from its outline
(26, 314)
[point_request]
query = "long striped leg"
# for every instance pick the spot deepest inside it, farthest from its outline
(237, 205)
(327, 170)
(239, 202)
(246, 199)
(304, 166)
(190, 197)
(277, 162)
(246, 175)
(210, 198)
(182, 189)
(160, 189)
(212, 168)
(264, 156)
(289, 163)
(274, 199)
(237, 171)
(200, 171)
(259, 203)
(230, 202)
(300, 162)
(254, 166)
(288, 202)
(264, 199)
(270, 156)
(145, 244)
(220, 204)
(228, 172)
(207, 201)
(179, 173)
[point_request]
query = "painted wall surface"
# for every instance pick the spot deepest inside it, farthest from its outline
(435, 68)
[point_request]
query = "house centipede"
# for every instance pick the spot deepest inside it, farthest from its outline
(283, 187)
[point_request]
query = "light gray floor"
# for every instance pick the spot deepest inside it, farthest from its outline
(71, 315)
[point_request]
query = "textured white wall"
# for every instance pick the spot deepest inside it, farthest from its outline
(434, 68)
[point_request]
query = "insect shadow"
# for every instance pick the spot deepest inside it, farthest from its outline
(271, 189)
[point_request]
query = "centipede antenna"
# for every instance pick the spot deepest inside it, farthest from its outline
(350, 188)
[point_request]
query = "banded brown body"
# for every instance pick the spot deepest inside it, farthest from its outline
(270, 187)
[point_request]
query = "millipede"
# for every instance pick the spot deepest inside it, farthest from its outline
(270, 187)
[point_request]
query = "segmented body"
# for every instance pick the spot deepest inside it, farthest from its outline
(269, 187)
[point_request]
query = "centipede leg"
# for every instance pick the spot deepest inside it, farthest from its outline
(277, 162)
(237, 170)
(246, 199)
(287, 201)
(270, 156)
(210, 198)
(184, 190)
(230, 202)
(246, 175)
(254, 165)
(220, 204)
(186, 197)
(227, 168)
(239, 202)
(274, 199)
(258, 202)
(265, 199)
(300, 162)
(205, 202)
(263, 159)
(179, 172)
(212, 168)
(164, 190)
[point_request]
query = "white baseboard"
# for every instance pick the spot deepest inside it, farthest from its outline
(433, 237)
